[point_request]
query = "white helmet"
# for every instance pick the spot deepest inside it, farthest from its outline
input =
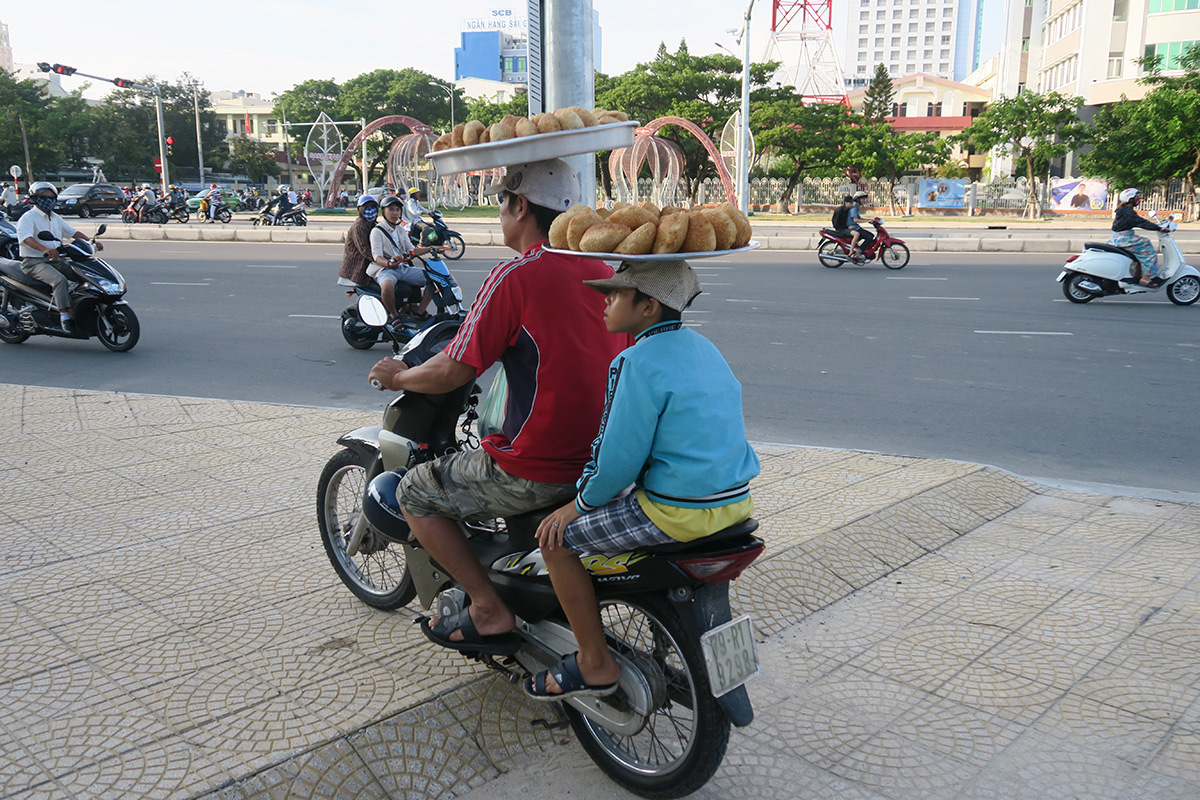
(1128, 194)
(40, 187)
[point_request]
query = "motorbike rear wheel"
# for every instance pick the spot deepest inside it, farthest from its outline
(377, 574)
(1072, 291)
(455, 247)
(894, 256)
(302, 219)
(12, 335)
(1184, 291)
(224, 215)
(825, 252)
(363, 341)
(128, 217)
(182, 214)
(117, 328)
(685, 737)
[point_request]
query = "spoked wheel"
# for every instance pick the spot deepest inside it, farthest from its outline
(128, 217)
(1184, 291)
(826, 252)
(684, 739)
(117, 328)
(183, 215)
(895, 256)
(455, 247)
(377, 573)
(11, 333)
(1072, 290)
(224, 215)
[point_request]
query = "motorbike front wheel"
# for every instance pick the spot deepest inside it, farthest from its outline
(377, 573)
(117, 328)
(685, 737)
(455, 247)
(825, 254)
(1073, 292)
(363, 340)
(1184, 291)
(183, 215)
(894, 256)
(11, 333)
(128, 217)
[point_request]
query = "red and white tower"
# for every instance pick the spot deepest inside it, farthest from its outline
(802, 41)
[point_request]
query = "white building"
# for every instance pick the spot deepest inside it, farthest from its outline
(935, 37)
(6, 56)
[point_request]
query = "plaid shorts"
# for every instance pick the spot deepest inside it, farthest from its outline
(469, 486)
(614, 527)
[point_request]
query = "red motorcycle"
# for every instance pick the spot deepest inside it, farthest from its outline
(834, 249)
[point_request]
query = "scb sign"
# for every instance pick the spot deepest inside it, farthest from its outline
(498, 19)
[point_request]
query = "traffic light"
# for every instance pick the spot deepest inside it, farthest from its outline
(124, 83)
(44, 66)
(170, 141)
(63, 69)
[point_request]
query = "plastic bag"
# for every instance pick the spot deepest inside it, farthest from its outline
(491, 418)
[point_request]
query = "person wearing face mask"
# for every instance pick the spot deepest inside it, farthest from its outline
(40, 260)
(1125, 220)
(390, 248)
(357, 255)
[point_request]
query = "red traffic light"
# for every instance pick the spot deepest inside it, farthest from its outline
(63, 69)
(170, 140)
(124, 83)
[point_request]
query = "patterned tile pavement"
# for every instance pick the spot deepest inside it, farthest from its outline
(172, 629)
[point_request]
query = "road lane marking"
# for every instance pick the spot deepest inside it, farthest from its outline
(943, 298)
(718, 284)
(168, 283)
(314, 316)
(917, 279)
(732, 300)
(1027, 333)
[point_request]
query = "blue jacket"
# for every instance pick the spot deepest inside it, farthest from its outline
(672, 426)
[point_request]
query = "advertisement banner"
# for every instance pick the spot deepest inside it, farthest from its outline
(942, 193)
(1078, 194)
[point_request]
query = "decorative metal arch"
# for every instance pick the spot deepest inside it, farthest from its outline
(689, 126)
(662, 156)
(415, 125)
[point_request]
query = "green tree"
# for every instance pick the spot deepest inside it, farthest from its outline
(252, 158)
(305, 101)
(802, 139)
(1033, 128)
(877, 102)
(878, 151)
(26, 103)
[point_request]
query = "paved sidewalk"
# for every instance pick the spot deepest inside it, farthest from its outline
(930, 629)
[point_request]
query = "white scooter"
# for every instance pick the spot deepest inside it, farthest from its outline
(1105, 269)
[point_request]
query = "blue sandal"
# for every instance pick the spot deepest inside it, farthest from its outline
(570, 683)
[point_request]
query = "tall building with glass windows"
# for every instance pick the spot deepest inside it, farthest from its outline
(934, 37)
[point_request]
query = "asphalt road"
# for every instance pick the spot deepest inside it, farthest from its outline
(975, 357)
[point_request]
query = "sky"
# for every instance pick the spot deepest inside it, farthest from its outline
(268, 47)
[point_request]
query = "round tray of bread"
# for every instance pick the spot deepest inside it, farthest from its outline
(646, 233)
(514, 140)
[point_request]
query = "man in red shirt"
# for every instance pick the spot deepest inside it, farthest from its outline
(534, 315)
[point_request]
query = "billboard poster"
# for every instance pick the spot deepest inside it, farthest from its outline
(1078, 194)
(942, 193)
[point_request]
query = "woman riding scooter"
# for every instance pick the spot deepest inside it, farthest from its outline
(1126, 219)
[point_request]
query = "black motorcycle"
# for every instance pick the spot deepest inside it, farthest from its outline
(684, 660)
(26, 306)
(293, 216)
(362, 334)
(440, 236)
(178, 211)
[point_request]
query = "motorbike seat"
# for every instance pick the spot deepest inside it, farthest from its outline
(13, 270)
(720, 538)
(1110, 248)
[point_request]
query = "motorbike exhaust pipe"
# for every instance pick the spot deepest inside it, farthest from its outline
(1090, 287)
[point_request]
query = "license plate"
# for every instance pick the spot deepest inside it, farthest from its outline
(729, 655)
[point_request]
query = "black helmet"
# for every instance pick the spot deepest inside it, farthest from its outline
(848, 198)
(390, 200)
(382, 508)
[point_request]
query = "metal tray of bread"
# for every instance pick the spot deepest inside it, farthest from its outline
(753, 245)
(541, 147)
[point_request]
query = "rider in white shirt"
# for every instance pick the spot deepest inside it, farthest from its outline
(40, 260)
(413, 211)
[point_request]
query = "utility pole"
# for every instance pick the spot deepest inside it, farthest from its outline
(199, 144)
(25, 144)
(287, 151)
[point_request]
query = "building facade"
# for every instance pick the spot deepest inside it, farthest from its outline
(495, 47)
(6, 55)
(934, 37)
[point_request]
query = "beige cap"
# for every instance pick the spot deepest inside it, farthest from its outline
(672, 283)
(551, 184)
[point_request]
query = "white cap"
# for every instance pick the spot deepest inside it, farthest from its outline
(1128, 195)
(551, 184)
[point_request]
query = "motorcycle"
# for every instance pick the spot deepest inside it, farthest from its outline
(26, 306)
(447, 297)
(440, 236)
(223, 214)
(155, 214)
(178, 211)
(1102, 270)
(294, 216)
(684, 660)
(14, 212)
(834, 249)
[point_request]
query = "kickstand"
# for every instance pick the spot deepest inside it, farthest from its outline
(560, 722)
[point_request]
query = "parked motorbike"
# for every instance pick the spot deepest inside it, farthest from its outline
(447, 297)
(155, 214)
(26, 307)
(295, 216)
(14, 212)
(1104, 269)
(440, 236)
(684, 660)
(834, 249)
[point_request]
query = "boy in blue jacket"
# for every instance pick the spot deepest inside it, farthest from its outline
(673, 430)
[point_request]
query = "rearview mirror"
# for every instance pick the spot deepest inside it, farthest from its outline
(371, 311)
(47, 236)
(103, 227)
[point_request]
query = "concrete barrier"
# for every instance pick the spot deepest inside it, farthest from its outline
(291, 237)
(957, 245)
(788, 243)
(217, 234)
(183, 234)
(146, 232)
(924, 245)
(1048, 246)
(253, 235)
(325, 237)
(1002, 245)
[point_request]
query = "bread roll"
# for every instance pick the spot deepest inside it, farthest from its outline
(633, 216)
(639, 242)
(558, 228)
(472, 131)
(486, 136)
(525, 127)
(723, 228)
(501, 131)
(579, 225)
(569, 119)
(700, 236)
(603, 237)
(547, 123)
(740, 221)
(668, 210)
(588, 120)
(653, 209)
(672, 230)
(444, 142)
(456, 135)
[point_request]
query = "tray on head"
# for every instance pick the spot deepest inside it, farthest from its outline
(542, 147)
(753, 245)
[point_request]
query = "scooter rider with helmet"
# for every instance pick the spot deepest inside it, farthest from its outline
(1125, 220)
(279, 206)
(40, 260)
(857, 232)
(8, 197)
(412, 213)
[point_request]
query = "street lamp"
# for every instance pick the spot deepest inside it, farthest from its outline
(450, 94)
(743, 177)
(125, 83)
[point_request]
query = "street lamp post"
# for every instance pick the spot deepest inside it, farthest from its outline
(199, 144)
(743, 176)
(449, 94)
(123, 83)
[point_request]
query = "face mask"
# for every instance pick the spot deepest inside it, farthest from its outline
(369, 214)
(45, 203)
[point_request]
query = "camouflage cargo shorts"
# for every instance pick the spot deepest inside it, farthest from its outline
(469, 486)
